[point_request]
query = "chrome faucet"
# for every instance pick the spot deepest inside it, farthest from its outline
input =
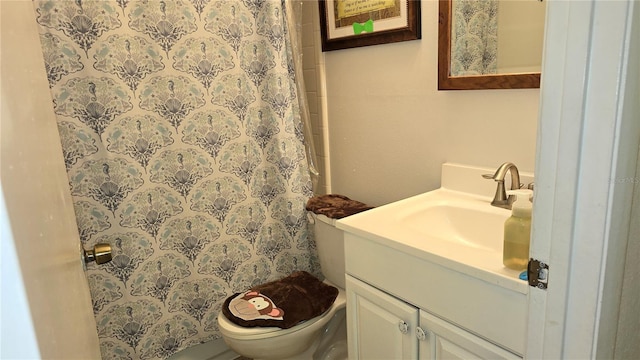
(501, 199)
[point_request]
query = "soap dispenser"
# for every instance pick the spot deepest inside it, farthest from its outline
(517, 231)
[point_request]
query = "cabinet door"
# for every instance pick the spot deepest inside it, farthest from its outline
(379, 326)
(446, 341)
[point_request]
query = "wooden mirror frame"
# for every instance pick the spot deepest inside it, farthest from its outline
(476, 82)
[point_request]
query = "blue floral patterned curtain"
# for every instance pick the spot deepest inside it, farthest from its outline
(184, 148)
(474, 49)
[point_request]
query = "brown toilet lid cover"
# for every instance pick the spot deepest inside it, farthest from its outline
(282, 303)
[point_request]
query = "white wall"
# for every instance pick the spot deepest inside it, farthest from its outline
(390, 129)
(627, 346)
(520, 35)
(628, 327)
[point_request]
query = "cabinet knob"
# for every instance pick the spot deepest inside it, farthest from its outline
(420, 334)
(404, 328)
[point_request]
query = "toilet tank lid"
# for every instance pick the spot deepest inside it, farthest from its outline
(322, 218)
(335, 206)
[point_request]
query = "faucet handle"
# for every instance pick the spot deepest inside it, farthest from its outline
(501, 171)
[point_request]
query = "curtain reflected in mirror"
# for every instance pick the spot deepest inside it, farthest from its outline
(490, 44)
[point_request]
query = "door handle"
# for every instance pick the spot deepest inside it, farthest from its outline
(101, 253)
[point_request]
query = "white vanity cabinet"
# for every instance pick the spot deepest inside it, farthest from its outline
(380, 326)
(403, 306)
(432, 263)
(444, 340)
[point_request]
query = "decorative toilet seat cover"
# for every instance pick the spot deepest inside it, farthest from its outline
(252, 305)
(283, 303)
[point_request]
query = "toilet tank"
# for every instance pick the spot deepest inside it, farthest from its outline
(330, 245)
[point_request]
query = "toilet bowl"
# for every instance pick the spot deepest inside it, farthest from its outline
(276, 343)
(324, 334)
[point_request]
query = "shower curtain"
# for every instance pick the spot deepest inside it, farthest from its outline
(184, 147)
(475, 26)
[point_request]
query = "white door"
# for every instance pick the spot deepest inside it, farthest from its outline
(40, 242)
(585, 175)
(379, 326)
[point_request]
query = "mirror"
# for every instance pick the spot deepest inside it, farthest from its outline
(484, 45)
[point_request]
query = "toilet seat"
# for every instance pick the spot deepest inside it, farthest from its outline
(247, 333)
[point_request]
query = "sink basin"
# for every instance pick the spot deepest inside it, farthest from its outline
(468, 224)
(460, 231)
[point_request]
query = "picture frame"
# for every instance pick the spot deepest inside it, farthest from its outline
(354, 23)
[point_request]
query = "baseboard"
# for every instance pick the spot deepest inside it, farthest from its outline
(212, 350)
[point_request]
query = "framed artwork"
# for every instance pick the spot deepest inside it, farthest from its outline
(354, 23)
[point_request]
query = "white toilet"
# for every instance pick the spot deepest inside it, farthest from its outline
(321, 338)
